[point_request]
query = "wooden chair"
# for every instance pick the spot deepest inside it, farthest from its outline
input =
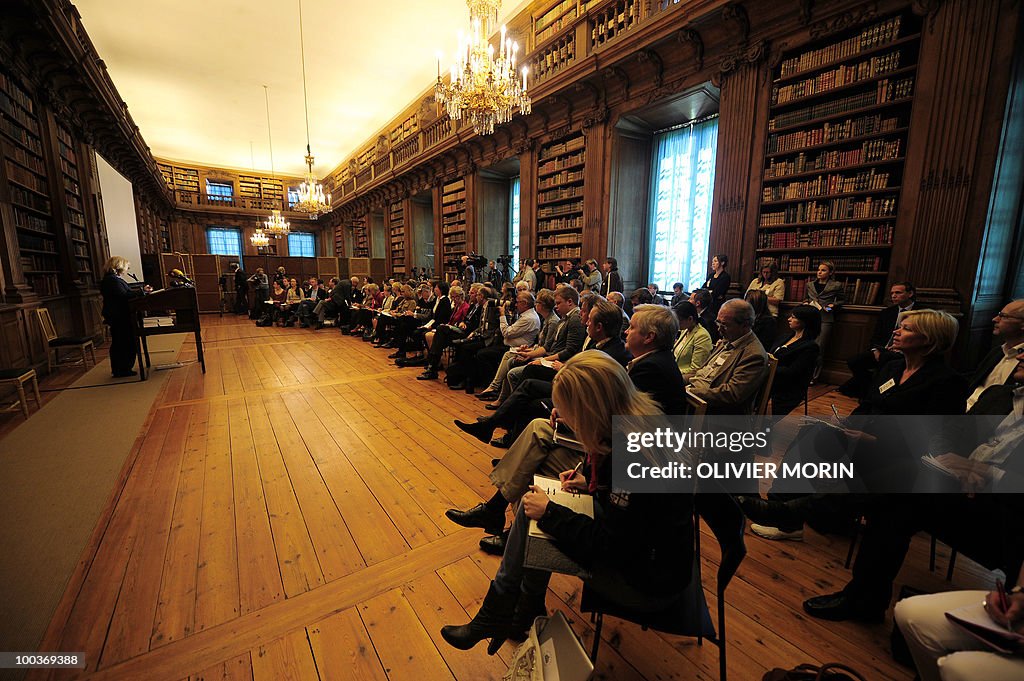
(762, 405)
(698, 406)
(55, 342)
(17, 378)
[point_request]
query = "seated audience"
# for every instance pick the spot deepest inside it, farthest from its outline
(797, 355)
(864, 365)
(313, 295)
(632, 547)
(617, 298)
(653, 369)
(516, 355)
(997, 367)
(701, 299)
(736, 370)
(678, 294)
(769, 283)
(656, 297)
(765, 323)
(693, 345)
(942, 651)
(433, 312)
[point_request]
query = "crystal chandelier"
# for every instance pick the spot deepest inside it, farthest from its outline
(275, 225)
(259, 238)
(311, 193)
(483, 87)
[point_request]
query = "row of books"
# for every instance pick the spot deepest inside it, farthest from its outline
(836, 209)
(560, 209)
(560, 148)
(844, 74)
(26, 178)
(555, 57)
(850, 263)
(34, 263)
(34, 223)
(874, 235)
(562, 238)
(22, 157)
(560, 179)
(824, 185)
(453, 228)
(81, 250)
(885, 90)
(872, 36)
(455, 238)
(12, 89)
(832, 132)
(20, 135)
(861, 292)
(834, 160)
(36, 243)
(560, 223)
(449, 198)
(29, 200)
(559, 193)
(560, 163)
(559, 253)
(43, 284)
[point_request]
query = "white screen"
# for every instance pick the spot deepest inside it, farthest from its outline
(119, 214)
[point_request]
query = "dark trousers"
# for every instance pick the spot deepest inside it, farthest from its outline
(443, 338)
(523, 405)
(122, 347)
(242, 300)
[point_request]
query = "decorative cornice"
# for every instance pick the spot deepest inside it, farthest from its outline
(650, 55)
(736, 14)
(827, 27)
(740, 57)
(689, 36)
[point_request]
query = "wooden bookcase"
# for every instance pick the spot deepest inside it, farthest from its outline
(838, 121)
(560, 166)
(453, 225)
(360, 238)
(74, 213)
(397, 244)
(29, 188)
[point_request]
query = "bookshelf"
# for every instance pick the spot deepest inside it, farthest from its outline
(839, 116)
(453, 225)
(29, 188)
(360, 238)
(396, 237)
(74, 211)
(560, 166)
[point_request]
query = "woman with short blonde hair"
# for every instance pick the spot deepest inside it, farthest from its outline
(116, 264)
(938, 327)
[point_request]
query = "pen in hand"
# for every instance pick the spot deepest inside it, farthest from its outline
(1004, 603)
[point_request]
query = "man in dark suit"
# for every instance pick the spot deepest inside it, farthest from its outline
(863, 365)
(987, 527)
(241, 289)
(338, 304)
(701, 299)
(998, 365)
(652, 332)
(314, 294)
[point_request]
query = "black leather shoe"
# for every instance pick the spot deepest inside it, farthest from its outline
(495, 462)
(481, 430)
(478, 516)
(493, 406)
(779, 514)
(428, 375)
(494, 544)
(396, 354)
(488, 396)
(503, 442)
(125, 374)
(457, 386)
(415, 362)
(841, 606)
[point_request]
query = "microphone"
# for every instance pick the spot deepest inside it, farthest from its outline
(132, 275)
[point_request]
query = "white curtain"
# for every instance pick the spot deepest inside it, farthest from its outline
(684, 182)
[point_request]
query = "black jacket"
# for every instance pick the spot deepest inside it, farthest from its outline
(615, 349)
(657, 374)
(794, 371)
(612, 282)
(116, 294)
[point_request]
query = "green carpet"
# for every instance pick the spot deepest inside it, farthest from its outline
(57, 473)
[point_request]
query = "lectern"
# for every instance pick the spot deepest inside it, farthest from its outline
(184, 308)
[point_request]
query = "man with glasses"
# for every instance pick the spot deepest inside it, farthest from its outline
(734, 373)
(998, 366)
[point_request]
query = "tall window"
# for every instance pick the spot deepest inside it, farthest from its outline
(219, 191)
(224, 241)
(293, 196)
(513, 222)
(301, 244)
(684, 182)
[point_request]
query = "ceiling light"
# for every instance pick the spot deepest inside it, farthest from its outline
(311, 193)
(484, 88)
(259, 239)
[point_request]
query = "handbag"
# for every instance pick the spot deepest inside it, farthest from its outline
(832, 671)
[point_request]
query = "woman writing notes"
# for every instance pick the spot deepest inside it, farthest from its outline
(633, 550)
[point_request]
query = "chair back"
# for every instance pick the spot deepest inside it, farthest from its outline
(726, 520)
(761, 405)
(698, 406)
(46, 324)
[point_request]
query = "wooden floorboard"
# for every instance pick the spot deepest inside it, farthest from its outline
(282, 517)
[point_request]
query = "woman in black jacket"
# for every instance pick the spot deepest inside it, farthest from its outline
(797, 353)
(635, 550)
(118, 316)
(718, 281)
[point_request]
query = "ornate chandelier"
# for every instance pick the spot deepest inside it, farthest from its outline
(275, 225)
(311, 193)
(484, 88)
(259, 239)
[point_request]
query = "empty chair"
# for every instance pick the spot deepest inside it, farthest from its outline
(55, 342)
(17, 378)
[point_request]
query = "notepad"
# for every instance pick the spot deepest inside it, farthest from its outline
(935, 465)
(975, 621)
(542, 552)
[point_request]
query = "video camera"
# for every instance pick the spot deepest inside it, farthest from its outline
(504, 259)
(477, 260)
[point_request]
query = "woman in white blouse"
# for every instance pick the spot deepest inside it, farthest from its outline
(772, 286)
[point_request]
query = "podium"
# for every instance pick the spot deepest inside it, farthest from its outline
(183, 303)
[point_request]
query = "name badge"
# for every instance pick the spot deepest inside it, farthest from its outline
(887, 386)
(720, 361)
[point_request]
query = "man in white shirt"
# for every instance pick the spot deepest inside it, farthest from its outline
(998, 365)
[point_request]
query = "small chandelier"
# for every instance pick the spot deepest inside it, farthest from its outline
(481, 86)
(259, 238)
(275, 225)
(311, 193)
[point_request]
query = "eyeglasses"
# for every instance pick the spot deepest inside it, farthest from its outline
(1003, 315)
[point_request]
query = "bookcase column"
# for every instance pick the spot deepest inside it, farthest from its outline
(740, 155)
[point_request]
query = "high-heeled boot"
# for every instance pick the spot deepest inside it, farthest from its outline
(493, 621)
(531, 603)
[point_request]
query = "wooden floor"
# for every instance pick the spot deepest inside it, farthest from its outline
(282, 518)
